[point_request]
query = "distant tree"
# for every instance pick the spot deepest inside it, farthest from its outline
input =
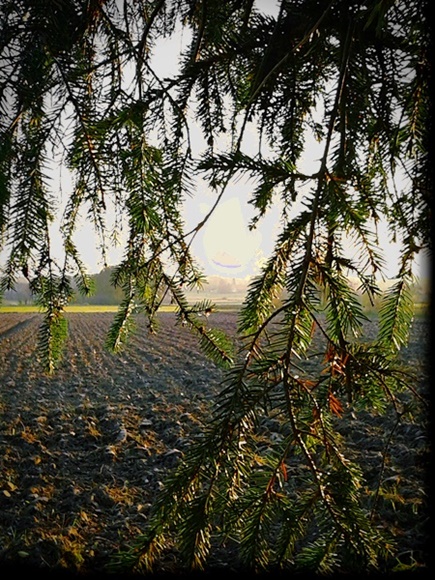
(78, 86)
(21, 293)
(105, 292)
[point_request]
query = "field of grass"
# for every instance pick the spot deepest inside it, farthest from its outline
(421, 309)
(19, 308)
(93, 308)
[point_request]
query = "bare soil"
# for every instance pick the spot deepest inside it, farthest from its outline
(83, 453)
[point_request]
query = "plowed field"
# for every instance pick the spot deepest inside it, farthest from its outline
(84, 452)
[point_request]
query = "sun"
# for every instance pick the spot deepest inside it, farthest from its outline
(229, 246)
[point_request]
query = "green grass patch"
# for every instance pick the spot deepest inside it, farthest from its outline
(420, 309)
(71, 308)
(91, 308)
(19, 308)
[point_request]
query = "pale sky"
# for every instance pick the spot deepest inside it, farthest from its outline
(225, 246)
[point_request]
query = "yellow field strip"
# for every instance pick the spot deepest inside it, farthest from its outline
(83, 308)
(71, 308)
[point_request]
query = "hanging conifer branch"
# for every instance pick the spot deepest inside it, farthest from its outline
(353, 76)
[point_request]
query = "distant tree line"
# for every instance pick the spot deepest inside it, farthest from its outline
(106, 293)
(104, 290)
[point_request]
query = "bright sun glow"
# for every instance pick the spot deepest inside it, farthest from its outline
(229, 246)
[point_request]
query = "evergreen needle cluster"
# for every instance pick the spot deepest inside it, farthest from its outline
(79, 89)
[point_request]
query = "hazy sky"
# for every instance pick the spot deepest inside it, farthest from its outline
(225, 246)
